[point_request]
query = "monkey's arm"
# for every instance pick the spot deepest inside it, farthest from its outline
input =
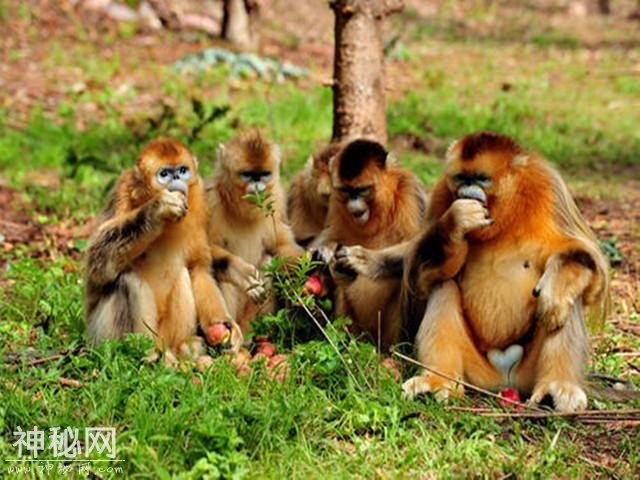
(385, 263)
(567, 275)
(123, 238)
(440, 253)
(437, 254)
(285, 245)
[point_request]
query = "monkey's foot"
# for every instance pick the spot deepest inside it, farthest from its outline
(170, 360)
(256, 287)
(567, 396)
(442, 388)
(191, 349)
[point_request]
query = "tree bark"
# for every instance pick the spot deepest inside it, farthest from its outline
(358, 69)
(238, 24)
(604, 7)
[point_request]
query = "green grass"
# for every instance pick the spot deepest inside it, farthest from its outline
(319, 423)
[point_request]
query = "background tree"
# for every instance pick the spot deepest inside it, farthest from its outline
(358, 69)
(238, 24)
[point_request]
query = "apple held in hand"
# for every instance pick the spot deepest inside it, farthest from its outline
(313, 286)
(218, 333)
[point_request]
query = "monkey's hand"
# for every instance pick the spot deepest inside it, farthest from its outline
(567, 396)
(356, 260)
(442, 388)
(560, 286)
(322, 254)
(170, 206)
(466, 215)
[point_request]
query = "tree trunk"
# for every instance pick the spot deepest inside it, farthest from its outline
(238, 23)
(604, 7)
(358, 68)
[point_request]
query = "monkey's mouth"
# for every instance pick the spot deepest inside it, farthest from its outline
(361, 217)
(472, 192)
(178, 187)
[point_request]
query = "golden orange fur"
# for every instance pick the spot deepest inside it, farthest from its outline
(374, 203)
(308, 198)
(496, 284)
(148, 261)
(244, 237)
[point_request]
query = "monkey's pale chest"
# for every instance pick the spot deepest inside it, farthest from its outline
(247, 244)
(497, 286)
(161, 267)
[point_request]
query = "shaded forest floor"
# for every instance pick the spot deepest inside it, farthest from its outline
(81, 94)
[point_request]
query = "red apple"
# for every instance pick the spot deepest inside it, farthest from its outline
(313, 286)
(244, 370)
(392, 366)
(510, 394)
(259, 356)
(276, 360)
(267, 348)
(203, 363)
(218, 333)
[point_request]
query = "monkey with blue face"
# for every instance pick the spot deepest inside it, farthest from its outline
(244, 235)
(148, 262)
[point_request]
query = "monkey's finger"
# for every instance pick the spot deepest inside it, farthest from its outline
(322, 254)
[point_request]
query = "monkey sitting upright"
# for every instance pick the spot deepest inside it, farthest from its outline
(374, 203)
(308, 198)
(148, 262)
(243, 236)
(496, 284)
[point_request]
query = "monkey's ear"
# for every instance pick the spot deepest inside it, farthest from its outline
(196, 162)
(391, 160)
(520, 160)
(449, 155)
(220, 153)
(332, 162)
(277, 153)
(309, 163)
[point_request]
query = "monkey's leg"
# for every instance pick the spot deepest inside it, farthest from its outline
(128, 307)
(210, 305)
(560, 366)
(444, 344)
(178, 324)
(230, 268)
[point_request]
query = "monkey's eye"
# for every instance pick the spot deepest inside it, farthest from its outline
(246, 176)
(483, 180)
(183, 172)
(266, 176)
(364, 192)
(459, 179)
(164, 175)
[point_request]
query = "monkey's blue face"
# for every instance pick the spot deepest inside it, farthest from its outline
(255, 181)
(174, 178)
